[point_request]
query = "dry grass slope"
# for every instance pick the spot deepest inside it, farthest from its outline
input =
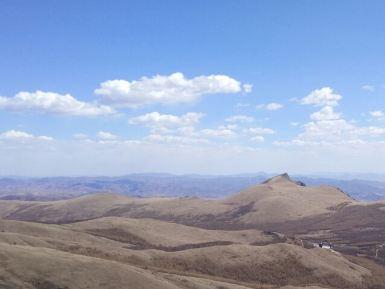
(112, 241)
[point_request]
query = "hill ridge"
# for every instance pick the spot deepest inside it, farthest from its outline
(283, 179)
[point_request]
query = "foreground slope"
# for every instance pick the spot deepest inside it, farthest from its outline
(27, 267)
(40, 256)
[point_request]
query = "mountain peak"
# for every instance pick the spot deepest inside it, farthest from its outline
(283, 178)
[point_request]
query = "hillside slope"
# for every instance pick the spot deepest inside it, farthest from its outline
(27, 267)
(277, 200)
(278, 204)
(40, 256)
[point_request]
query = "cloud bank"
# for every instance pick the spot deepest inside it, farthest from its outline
(53, 103)
(166, 89)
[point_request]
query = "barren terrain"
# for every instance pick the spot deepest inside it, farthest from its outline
(260, 238)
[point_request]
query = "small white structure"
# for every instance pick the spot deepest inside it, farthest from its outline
(325, 245)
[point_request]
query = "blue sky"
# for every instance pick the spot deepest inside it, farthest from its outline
(94, 87)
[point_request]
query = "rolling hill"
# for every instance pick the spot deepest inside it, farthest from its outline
(76, 256)
(261, 237)
(276, 200)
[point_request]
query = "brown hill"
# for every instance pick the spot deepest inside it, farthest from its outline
(280, 199)
(150, 233)
(28, 267)
(274, 201)
(279, 204)
(43, 256)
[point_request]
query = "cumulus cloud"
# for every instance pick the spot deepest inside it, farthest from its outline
(377, 113)
(166, 89)
(328, 127)
(270, 106)
(338, 131)
(256, 134)
(17, 135)
(326, 113)
(240, 118)
(321, 97)
(156, 119)
(53, 103)
(221, 132)
(258, 138)
(175, 139)
(273, 106)
(258, 130)
(105, 135)
(181, 129)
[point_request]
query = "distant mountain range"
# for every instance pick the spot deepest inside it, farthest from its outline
(145, 185)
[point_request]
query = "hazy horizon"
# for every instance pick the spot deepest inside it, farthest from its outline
(316, 175)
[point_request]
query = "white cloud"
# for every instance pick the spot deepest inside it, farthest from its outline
(258, 138)
(321, 97)
(175, 139)
(181, 129)
(156, 119)
(22, 136)
(377, 114)
(270, 106)
(327, 127)
(229, 131)
(105, 135)
(240, 118)
(273, 106)
(256, 134)
(15, 134)
(221, 132)
(258, 130)
(186, 131)
(165, 89)
(337, 131)
(368, 87)
(53, 103)
(326, 113)
(372, 131)
(247, 88)
(294, 123)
